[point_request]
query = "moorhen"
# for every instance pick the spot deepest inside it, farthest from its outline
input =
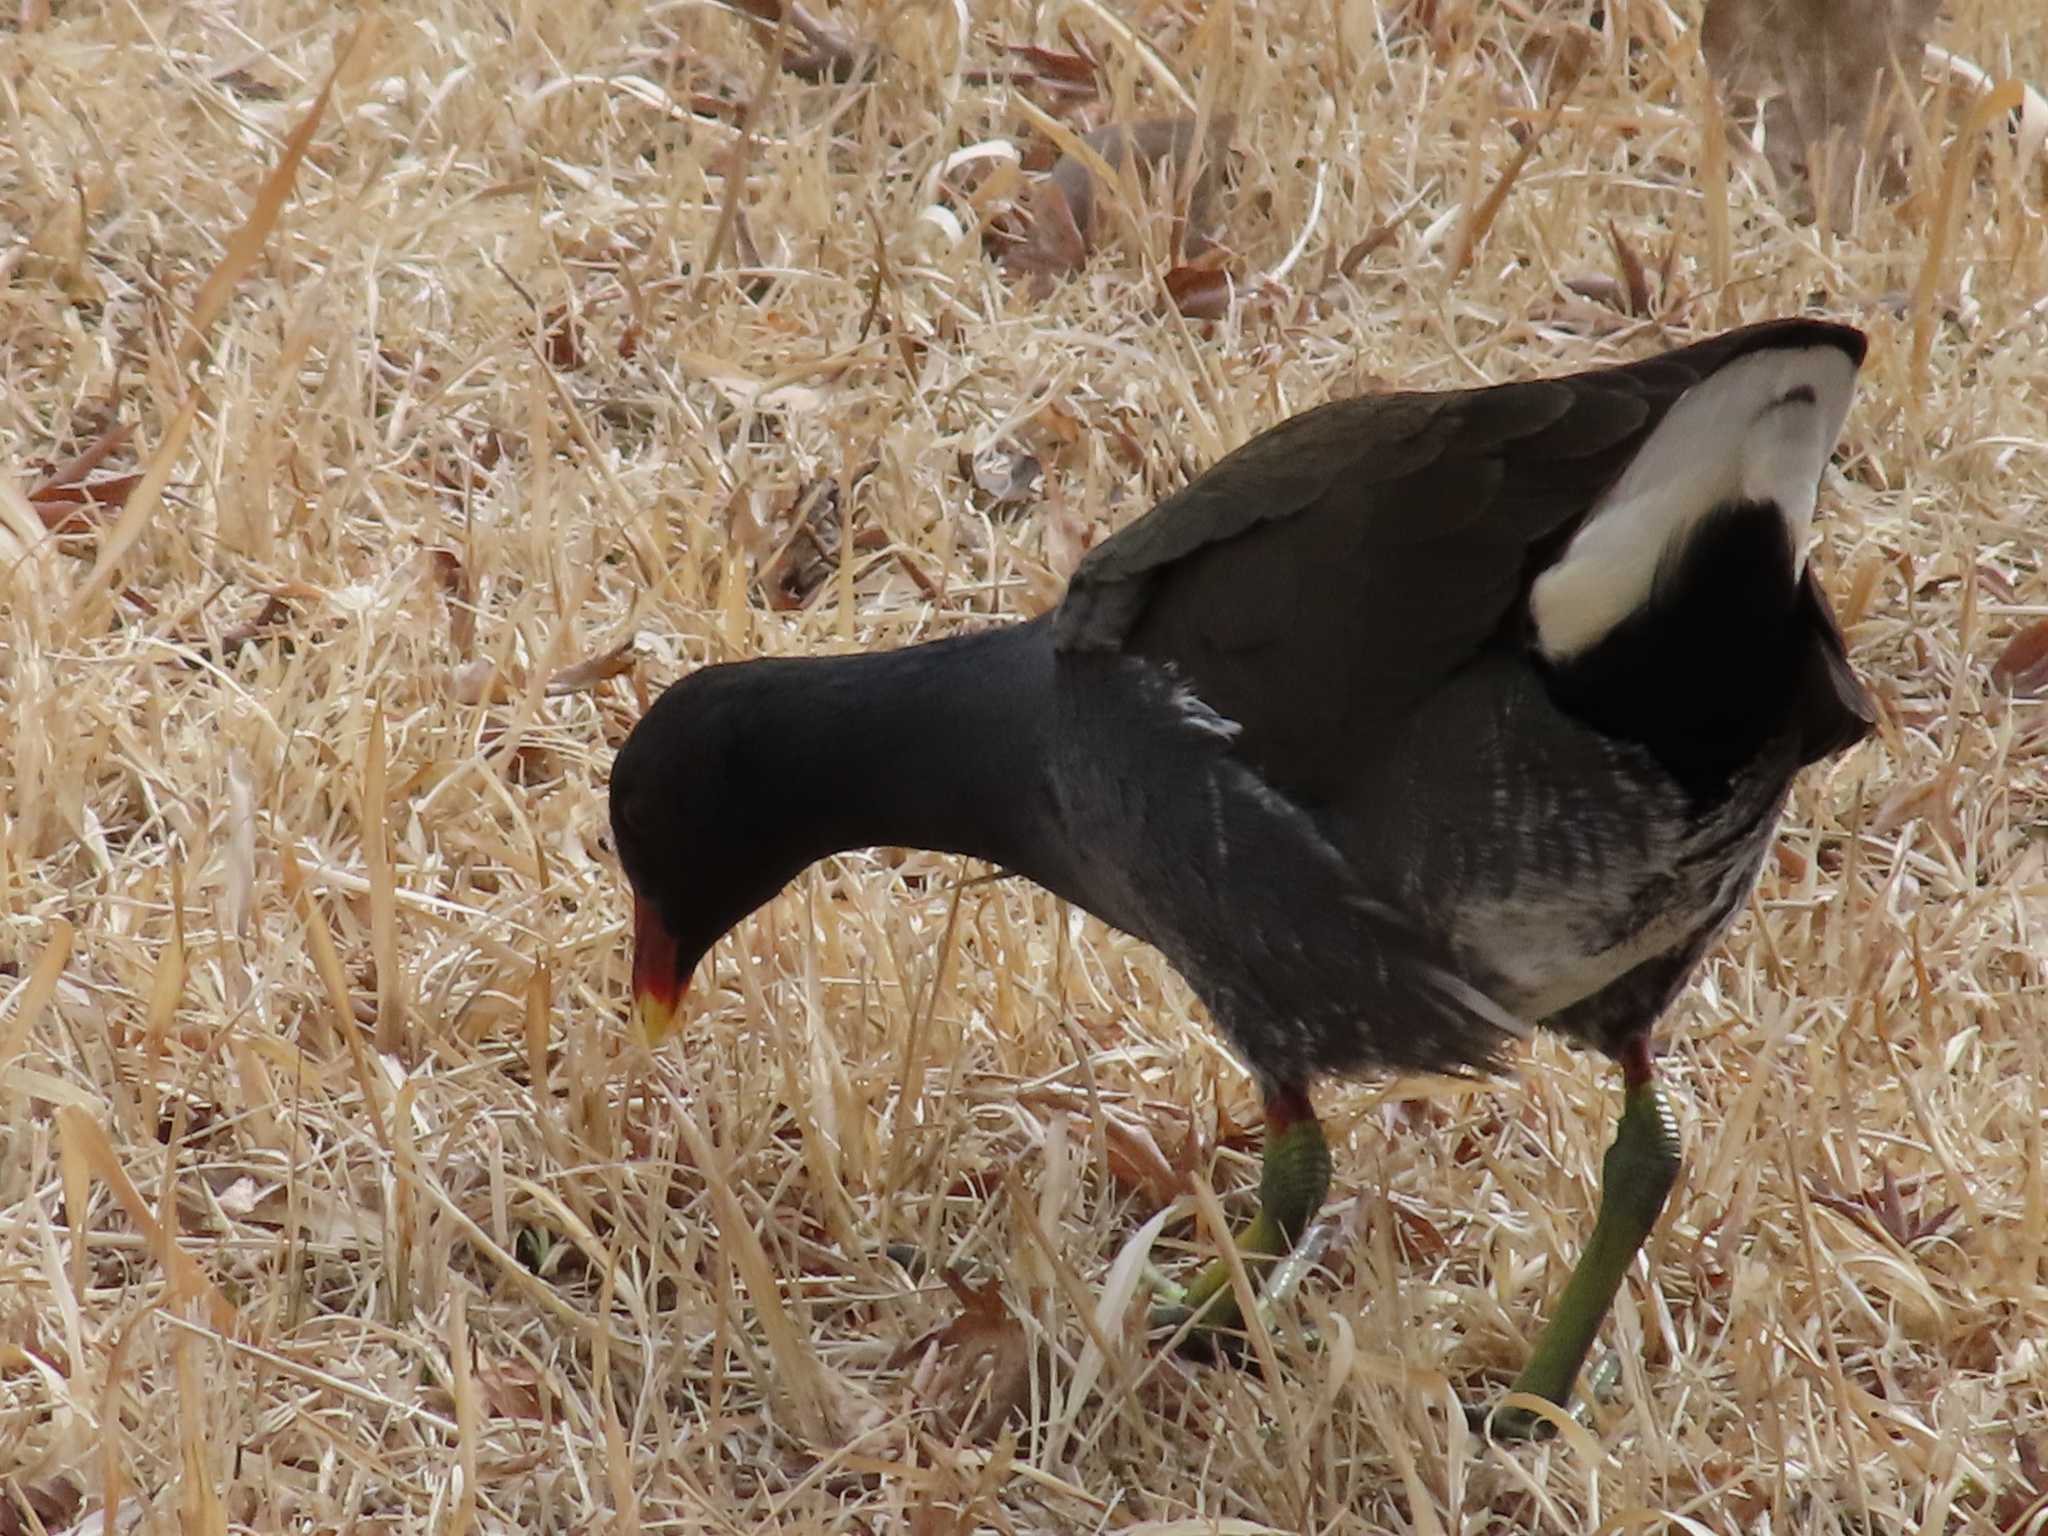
(1420, 720)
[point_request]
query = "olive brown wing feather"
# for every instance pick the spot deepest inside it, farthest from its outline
(1331, 573)
(1326, 577)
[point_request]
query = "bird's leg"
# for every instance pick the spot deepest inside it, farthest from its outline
(1294, 1176)
(1635, 1181)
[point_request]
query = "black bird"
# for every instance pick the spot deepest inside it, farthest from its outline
(1418, 721)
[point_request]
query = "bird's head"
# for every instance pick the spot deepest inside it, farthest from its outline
(702, 829)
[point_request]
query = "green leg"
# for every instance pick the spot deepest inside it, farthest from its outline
(1294, 1176)
(1635, 1180)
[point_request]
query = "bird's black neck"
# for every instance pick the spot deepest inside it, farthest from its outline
(934, 746)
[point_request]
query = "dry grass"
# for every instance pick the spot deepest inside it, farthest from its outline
(332, 1194)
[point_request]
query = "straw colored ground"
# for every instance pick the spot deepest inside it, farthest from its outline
(333, 1194)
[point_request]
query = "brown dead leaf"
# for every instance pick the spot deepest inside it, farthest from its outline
(1055, 72)
(985, 1369)
(1789, 862)
(403, 370)
(1419, 1240)
(1200, 292)
(446, 570)
(1005, 474)
(1058, 427)
(512, 1389)
(1073, 67)
(95, 453)
(828, 52)
(1635, 281)
(247, 85)
(1055, 241)
(2024, 1494)
(1813, 70)
(67, 502)
(582, 676)
(561, 338)
(75, 508)
(464, 475)
(933, 589)
(1929, 800)
(1668, 285)
(1590, 306)
(271, 613)
(1600, 289)
(1996, 585)
(1067, 536)
(1556, 56)
(1231, 1132)
(931, 1518)
(2023, 665)
(1064, 207)
(478, 682)
(1883, 1209)
(268, 620)
(1137, 1162)
(976, 1184)
(27, 1507)
(524, 761)
(810, 554)
(1379, 235)
(445, 566)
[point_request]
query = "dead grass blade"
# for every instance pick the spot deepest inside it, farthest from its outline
(615, 660)
(88, 1150)
(141, 506)
(35, 996)
(243, 249)
(1479, 219)
(796, 1370)
(1962, 158)
(383, 891)
(327, 961)
(247, 242)
(200, 1510)
(1377, 238)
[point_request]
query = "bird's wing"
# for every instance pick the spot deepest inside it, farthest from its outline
(1318, 582)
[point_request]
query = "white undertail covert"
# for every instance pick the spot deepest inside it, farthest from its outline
(1760, 429)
